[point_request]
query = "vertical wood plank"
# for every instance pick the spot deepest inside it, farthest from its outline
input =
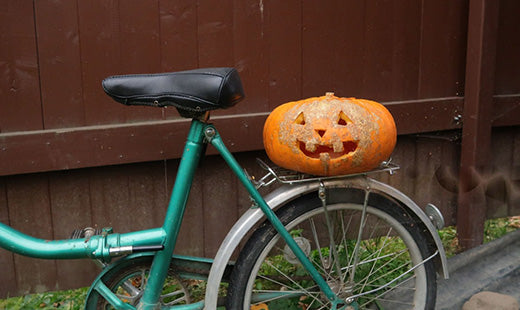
(191, 236)
(215, 33)
(117, 37)
(507, 80)
(406, 23)
(283, 22)
(377, 54)
(514, 200)
(443, 43)
(450, 160)
(19, 85)
(147, 195)
(250, 54)
(100, 57)
(71, 209)
(139, 46)
(128, 198)
(476, 132)
(60, 63)
(8, 285)
(332, 48)
(178, 39)
(220, 200)
(404, 156)
(110, 199)
(427, 188)
(178, 24)
(498, 180)
(30, 213)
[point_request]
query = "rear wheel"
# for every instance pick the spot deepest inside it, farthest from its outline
(383, 269)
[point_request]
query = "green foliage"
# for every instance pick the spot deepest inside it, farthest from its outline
(68, 300)
(493, 229)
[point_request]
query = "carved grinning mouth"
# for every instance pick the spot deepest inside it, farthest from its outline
(348, 147)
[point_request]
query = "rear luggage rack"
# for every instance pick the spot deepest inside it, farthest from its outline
(285, 176)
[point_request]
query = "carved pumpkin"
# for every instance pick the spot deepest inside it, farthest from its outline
(329, 135)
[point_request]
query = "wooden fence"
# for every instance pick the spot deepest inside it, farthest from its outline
(70, 157)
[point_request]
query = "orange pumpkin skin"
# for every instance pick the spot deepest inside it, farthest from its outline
(329, 135)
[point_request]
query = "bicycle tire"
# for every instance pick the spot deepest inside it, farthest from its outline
(253, 272)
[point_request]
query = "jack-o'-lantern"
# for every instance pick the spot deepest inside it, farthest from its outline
(329, 135)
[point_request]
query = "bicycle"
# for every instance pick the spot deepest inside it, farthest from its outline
(341, 242)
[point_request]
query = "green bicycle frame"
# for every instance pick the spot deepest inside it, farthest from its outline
(105, 245)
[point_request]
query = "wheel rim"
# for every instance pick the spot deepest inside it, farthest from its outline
(386, 248)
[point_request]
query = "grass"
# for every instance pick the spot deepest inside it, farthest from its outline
(74, 299)
(67, 300)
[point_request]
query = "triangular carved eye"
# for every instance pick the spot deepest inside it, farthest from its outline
(300, 119)
(343, 119)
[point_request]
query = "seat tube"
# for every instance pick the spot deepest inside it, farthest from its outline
(193, 151)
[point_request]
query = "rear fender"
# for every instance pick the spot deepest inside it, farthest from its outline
(287, 193)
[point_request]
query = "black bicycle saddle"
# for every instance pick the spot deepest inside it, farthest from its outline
(192, 92)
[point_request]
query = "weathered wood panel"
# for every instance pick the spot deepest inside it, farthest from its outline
(30, 213)
(8, 283)
(507, 79)
(59, 62)
(19, 82)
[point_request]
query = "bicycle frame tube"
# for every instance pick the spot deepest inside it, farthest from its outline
(217, 142)
(193, 151)
(97, 247)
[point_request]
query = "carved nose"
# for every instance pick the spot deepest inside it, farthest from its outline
(321, 132)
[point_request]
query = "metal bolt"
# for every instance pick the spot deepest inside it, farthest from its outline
(210, 132)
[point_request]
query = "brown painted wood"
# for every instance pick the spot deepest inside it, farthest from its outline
(30, 213)
(442, 44)
(507, 79)
(283, 25)
(476, 132)
(191, 236)
(71, 209)
(139, 47)
(59, 63)
(506, 110)
(19, 85)
(328, 36)
(219, 186)
(101, 49)
(497, 182)
(250, 39)
(178, 39)
(118, 144)
(215, 33)
(8, 285)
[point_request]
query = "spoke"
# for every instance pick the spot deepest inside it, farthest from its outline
(374, 263)
(130, 288)
(126, 298)
(397, 278)
(318, 246)
(344, 241)
(390, 290)
(332, 244)
(291, 280)
(355, 255)
(382, 266)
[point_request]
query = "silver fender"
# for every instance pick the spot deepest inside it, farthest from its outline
(286, 193)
